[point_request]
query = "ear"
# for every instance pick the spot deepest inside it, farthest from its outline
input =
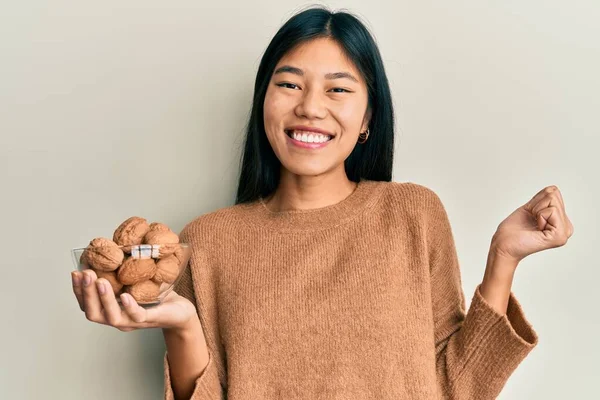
(366, 120)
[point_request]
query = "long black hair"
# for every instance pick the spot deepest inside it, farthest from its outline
(260, 167)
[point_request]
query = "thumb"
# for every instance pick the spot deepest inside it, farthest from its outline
(548, 219)
(550, 226)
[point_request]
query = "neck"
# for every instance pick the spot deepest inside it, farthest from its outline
(296, 192)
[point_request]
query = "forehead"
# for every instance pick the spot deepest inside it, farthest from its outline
(319, 57)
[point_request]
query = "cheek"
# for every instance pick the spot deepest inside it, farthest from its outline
(350, 115)
(274, 110)
(275, 107)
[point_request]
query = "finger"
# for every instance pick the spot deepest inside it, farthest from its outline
(112, 311)
(563, 212)
(551, 200)
(549, 219)
(548, 201)
(568, 222)
(548, 211)
(540, 204)
(558, 195)
(77, 290)
(553, 223)
(534, 200)
(137, 313)
(539, 196)
(91, 300)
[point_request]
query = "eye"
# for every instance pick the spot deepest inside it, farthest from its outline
(342, 90)
(286, 85)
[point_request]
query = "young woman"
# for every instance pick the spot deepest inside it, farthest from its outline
(326, 280)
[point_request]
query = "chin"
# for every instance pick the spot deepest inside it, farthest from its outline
(307, 169)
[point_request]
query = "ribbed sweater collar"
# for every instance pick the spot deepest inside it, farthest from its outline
(364, 196)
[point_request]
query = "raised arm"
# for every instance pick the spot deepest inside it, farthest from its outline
(478, 350)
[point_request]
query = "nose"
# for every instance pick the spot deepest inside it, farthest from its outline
(311, 105)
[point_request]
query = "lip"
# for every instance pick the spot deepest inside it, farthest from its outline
(304, 145)
(309, 129)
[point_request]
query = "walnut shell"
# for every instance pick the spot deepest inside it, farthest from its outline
(167, 270)
(164, 250)
(102, 254)
(83, 260)
(136, 270)
(155, 236)
(181, 252)
(144, 292)
(111, 277)
(131, 231)
(157, 226)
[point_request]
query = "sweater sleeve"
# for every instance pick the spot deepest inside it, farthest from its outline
(477, 350)
(210, 385)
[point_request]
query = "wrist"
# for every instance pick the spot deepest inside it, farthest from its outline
(499, 267)
(497, 281)
(499, 273)
(499, 257)
(186, 330)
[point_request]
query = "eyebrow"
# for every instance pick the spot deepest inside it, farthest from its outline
(299, 72)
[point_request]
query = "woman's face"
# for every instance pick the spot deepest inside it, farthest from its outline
(315, 87)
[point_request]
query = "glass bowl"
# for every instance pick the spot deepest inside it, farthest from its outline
(134, 274)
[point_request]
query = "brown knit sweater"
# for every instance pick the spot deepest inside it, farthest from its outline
(358, 300)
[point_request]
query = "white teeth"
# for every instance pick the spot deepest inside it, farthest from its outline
(310, 137)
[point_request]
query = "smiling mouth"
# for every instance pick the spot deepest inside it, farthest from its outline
(307, 136)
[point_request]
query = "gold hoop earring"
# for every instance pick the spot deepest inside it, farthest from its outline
(362, 138)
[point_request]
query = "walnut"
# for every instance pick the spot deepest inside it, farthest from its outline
(160, 234)
(135, 270)
(164, 250)
(111, 277)
(167, 270)
(179, 250)
(102, 254)
(131, 232)
(182, 253)
(83, 260)
(144, 292)
(157, 226)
